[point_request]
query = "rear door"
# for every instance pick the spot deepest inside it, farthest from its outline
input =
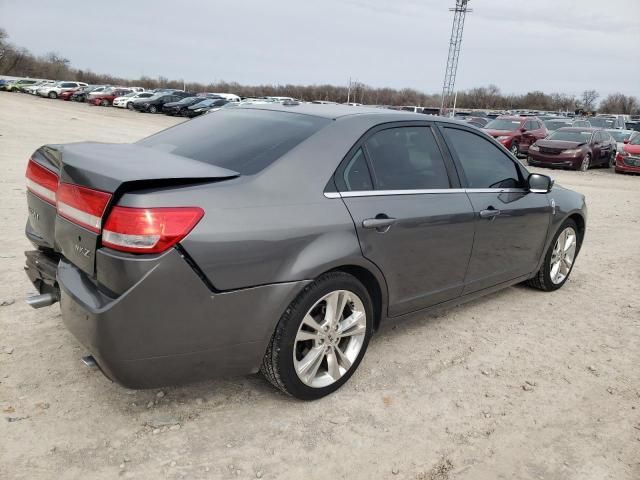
(412, 219)
(511, 223)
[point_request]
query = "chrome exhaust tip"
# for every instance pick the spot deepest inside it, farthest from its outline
(42, 300)
(89, 361)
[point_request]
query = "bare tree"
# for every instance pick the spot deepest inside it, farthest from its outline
(620, 103)
(589, 98)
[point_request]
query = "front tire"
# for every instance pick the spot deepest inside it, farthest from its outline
(559, 259)
(515, 149)
(104, 103)
(153, 109)
(586, 163)
(612, 159)
(321, 338)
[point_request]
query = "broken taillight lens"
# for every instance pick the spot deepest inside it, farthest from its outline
(148, 230)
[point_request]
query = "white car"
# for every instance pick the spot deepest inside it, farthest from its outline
(126, 100)
(33, 89)
(52, 91)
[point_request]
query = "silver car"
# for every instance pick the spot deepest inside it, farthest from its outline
(280, 237)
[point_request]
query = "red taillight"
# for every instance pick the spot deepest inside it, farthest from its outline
(82, 206)
(42, 182)
(148, 230)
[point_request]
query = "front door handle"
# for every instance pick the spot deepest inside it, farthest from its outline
(489, 213)
(380, 223)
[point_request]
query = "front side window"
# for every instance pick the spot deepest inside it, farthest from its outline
(406, 158)
(484, 164)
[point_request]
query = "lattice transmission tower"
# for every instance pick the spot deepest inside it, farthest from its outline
(460, 12)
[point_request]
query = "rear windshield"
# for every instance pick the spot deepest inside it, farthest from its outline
(602, 122)
(570, 136)
(503, 124)
(243, 140)
(555, 124)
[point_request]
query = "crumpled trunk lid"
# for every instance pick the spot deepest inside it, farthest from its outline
(110, 168)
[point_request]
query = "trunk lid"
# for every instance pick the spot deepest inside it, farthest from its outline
(110, 168)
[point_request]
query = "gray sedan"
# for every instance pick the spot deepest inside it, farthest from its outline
(280, 237)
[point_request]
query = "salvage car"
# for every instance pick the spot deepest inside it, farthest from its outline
(126, 101)
(628, 160)
(516, 133)
(208, 105)
(154, 103)
(577, 148)
(179, 107)
(280, 237)
(52, 91)
(107, 97)
(621, 137)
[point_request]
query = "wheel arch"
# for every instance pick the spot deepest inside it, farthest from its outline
(375, 285)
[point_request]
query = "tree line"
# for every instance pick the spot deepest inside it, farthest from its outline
(20, 62)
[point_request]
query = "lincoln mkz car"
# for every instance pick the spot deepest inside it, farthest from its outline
(280, 237)
(577, 148)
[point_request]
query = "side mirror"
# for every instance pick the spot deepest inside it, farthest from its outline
(539, 183)
(626, 140)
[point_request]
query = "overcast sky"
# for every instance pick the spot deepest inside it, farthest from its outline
(519, 45)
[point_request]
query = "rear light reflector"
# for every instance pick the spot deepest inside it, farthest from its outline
(83, 206)
(148, 230)
(42, 182)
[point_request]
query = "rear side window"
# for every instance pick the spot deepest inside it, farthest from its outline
(355, 176)
(484, 164)
(406, 158)
(243, 140)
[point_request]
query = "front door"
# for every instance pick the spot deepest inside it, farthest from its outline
(410, 221)
(511, 222)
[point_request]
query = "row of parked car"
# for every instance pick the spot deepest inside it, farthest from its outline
(544, 138)
(563, 142)
(169, 101)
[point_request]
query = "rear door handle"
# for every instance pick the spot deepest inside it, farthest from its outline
(489, 213)
(381, 224)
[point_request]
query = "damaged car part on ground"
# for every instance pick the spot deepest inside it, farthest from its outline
(294, 231)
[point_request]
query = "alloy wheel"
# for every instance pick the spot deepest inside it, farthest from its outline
(586, 162)
(514, 150)
(329, 338)
(563, 255)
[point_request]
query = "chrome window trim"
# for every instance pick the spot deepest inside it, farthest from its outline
(380, 193)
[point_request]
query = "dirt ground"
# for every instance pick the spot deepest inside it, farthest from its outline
(518, 385)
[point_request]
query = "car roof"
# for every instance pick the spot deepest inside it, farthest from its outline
(579, 129)
(515, 117)
(333, 111)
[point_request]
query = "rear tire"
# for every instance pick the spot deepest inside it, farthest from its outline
(104, 103)
(130, 106)
(612, 159)
(546, 278)
(288, 363)
(53, 95)
(153, 109)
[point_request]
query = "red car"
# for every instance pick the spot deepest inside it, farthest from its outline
(66, 95)
(628, 160)
(573, 147)
(106, 98)
(516, 133)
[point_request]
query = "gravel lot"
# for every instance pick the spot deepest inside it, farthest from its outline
(517, 385)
